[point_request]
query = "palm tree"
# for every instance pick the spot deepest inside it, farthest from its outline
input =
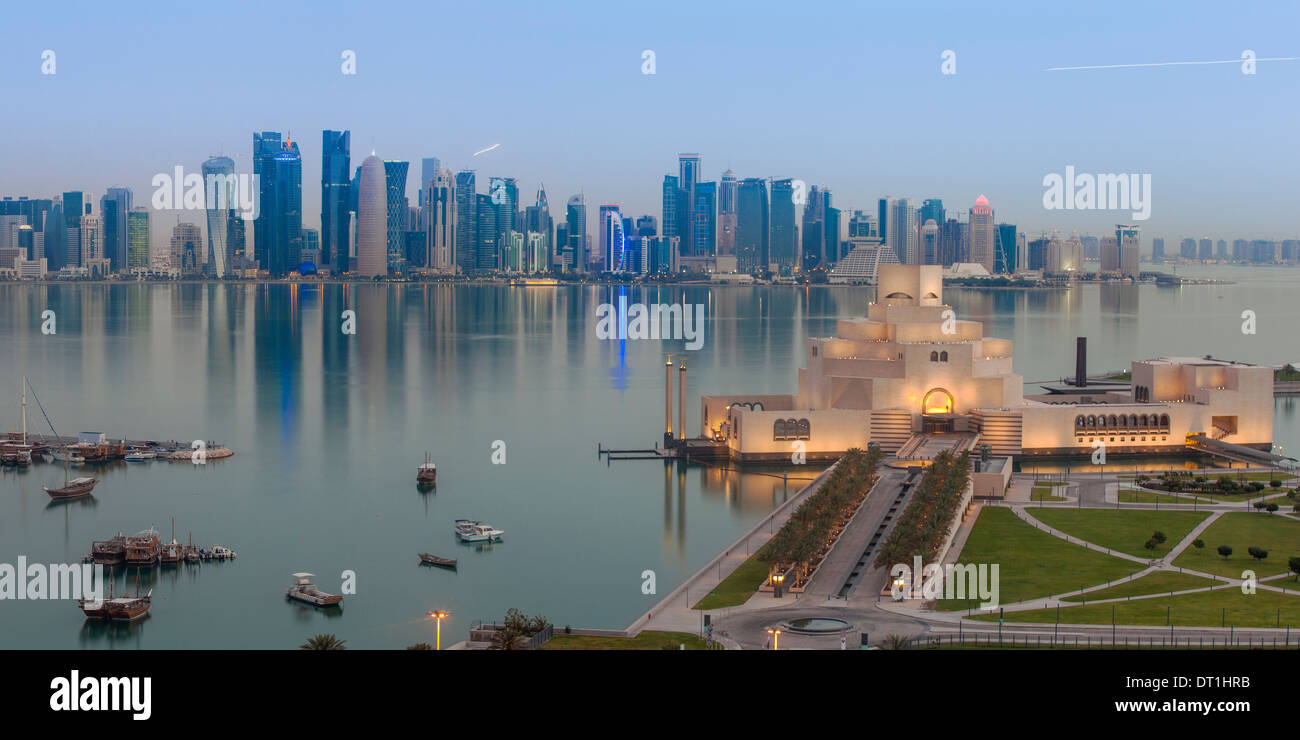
(506, 638)
(323, 642)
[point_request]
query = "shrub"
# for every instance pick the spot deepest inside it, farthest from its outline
(1258, 553)
(1198, 543)
(1225, 551)
(1158, 536)
(1275, 483)
(1294, 565)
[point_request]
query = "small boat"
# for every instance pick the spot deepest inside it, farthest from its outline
(172, 552)
(304, 590)
(144, 549)
(97, 608)
(427, 559)
(140, 456)
(129, 609)
(67, 456)
(191, 551)
(220, 552)
(427, 474)
(75, 488)
(474, 531)
(109, 552)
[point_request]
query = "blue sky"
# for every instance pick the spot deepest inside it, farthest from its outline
(846, 95)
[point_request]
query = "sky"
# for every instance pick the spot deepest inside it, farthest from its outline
(850, 96)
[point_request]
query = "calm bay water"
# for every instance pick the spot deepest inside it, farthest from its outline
(329, 428)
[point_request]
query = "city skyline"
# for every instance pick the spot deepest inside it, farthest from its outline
(969, 131)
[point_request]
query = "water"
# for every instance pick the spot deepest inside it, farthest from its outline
(328, 430)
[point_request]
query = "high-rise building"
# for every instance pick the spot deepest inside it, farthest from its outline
(931, 208)
(1205, 249)
(55, 233)
(92, 246)
(930, 243)
(704, 217)
(277, 232)
(816, 251)
(186, 246)
(575, 253)
(335, 200)
(537, 220)
(485, 250)
(688, 176)
(752, 245)
(613, 240)
(137, 239)
(1221, 250)
(1109, 256)
(1129, 240)
(466, 222)
(1157, 249)
(671, 193)
(429, 167)
(395, 178)
(782, 240)
(113, 208)
(504, 193)
(221, 192)
(1187, 249)
(902, 233)
(1006, 254)
(438, 214)
(727, 214)
(981, 234)
(372, 219)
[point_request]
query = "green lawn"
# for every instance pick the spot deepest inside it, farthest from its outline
(1123, 530)
(1201, 609)
(1240, 530)
(736, 588)
(1134, 496)
(1044, 493)
(645, 641)
(1032, 563)
(1160, 582)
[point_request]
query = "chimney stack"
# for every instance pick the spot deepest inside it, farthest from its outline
(681, 401)
(1081, 362)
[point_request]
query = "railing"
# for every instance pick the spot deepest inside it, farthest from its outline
(1090, 642)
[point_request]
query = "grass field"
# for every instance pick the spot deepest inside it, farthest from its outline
(736, 588)
(1221, 607)
(1032, 563)
(1122, 530)
(1160, 582)
(1240, 530)
(645, 641)
(1044, 493)
(1134, 496)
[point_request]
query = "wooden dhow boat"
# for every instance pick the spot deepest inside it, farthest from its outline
(427, 559)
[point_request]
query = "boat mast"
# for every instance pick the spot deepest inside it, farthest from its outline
(24, 389)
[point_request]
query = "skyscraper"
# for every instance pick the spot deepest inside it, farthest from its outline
(395, 178)
(930, 243)
(982, 239)
(505, 201)
(782, 242)
(671, 191)
(466, 222)
(439, 217)
(902, 233)
(372, 219)
(335, 200)
(137, 238)
(575, 257)
(186, 245)
(1157, 249)
(486, 254)
(704, 219)
(277, 232)
(537, 220)
(727, 214)
(613, 240)
(56, 227)
(1005, 255)
(688, 175)
(752, 245)
(221, 196)
(113, 210)
(1129, 238)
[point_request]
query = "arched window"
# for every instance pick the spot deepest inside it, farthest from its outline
(1079, 421)
(1092, 421)
(778, 430)
(1101, 422)
(1114, 422)
(1164, 420)
(1145, 421)
(934, 357)
(804, 429)
(943, 356)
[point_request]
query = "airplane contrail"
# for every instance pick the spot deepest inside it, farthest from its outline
(1172, 64)
(494, 146)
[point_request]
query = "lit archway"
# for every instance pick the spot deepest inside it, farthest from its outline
(937, 401)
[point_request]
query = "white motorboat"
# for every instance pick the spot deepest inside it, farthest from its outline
(474, 531)
(304, 590)
(140, 456)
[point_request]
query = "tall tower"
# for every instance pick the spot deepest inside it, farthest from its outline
(221, 195)
(727, 214)
(395, 177)
(752, 246)
(335, 194)
(372, 219)
(439, 217)
(277, 232)
(137, 238)
(113, 210)
(575, 257)
(981, 234)
(782, 240)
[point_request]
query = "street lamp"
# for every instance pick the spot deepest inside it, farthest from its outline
(439, 615)
(776, 636)
(898, 588)
(777, 579)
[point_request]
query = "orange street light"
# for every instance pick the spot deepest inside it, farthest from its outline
(439, 615)
(776, 637)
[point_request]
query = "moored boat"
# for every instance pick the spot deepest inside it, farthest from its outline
(305, 591)
(469, 530)
(427, 474)
(109, 552)
(128, 609)
(143, 549)
(427, 559)
(75, 488)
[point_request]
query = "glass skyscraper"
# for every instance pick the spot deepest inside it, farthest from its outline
(221, 191)
(137, 238)
(277, 232)
(783, 234)
(752, 251)
(113, 210)
(466, 222)
(395, 176)
(335, 200)
(704, 215)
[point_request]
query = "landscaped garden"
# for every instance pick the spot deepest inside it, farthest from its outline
(1226, 606)
(1223, 487)
(926, 521)
(1235, 542)
(1032, 563)
(1159, 582)
(1128, 531)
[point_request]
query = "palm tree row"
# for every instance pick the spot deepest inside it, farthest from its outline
(814, 526)
(924, 525)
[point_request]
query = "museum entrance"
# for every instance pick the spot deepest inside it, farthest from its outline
(938, 423)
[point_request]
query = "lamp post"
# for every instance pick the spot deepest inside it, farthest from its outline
(776, 636)
(439, 615)
(777, 579)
